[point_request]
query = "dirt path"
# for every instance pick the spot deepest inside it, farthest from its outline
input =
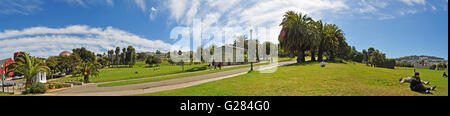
(94, 90)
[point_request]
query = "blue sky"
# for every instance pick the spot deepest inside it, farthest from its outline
(47, 27)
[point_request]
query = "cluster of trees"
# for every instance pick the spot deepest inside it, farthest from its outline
(439, 66)
(153, 60)
(126, 57)
(375, 58)
(81, 62)
(62, 64)
(404, 64)
(301, 34)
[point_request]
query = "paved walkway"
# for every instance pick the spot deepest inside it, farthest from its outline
(93, 90)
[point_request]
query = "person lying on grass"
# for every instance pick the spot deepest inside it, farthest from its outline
(417, 86)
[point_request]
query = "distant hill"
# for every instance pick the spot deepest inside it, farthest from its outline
(422, 61)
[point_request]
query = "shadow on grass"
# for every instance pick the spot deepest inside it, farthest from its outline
(196, 69)
(304, 64)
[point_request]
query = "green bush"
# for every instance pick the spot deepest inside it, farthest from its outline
(50, 86)
(38, 88)
(59, 85)
(55, 86)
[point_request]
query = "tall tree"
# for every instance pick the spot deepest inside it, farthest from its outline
(124, 60)
(87, 69)
(320, 39)
(84, 54)
(334, 36)
(131, 56)
(297, 34)
(111, 57)
(117, 60)
(52, 63)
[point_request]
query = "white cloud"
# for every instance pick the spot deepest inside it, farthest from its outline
(87, 3)
(110, 2)
(414, 2)
(141, 4)
(24, 7)
(245, 13)
(79, 2)
(44, 41)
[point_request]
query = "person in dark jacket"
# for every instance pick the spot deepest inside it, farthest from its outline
(417, 86)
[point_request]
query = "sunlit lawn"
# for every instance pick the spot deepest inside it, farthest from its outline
(121, 83)
(140, 70)
(312, 80)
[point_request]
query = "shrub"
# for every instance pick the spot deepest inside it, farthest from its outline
(50, 86)
(59, 85)
(38, 88)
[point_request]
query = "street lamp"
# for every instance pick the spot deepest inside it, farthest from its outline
(251, 38)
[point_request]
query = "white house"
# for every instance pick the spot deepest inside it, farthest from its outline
(41, 77)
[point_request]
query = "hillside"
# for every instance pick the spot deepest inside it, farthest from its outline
(422, 61)
(312, 80)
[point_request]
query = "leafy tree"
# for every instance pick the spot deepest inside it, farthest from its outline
(103, 61)
(28, 67)
(130, 56)
(87, 69)
(334, 39)
(153, 60)
(123, 57)
(52, 63)
(68, 63)
(84, 54)
(158, 52)
(117, 59)
(111, 57)
(297, 31)
(321, 43)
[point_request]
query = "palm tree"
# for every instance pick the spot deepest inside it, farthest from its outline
(320, 38)
(28, 67)
(333, 37)
(117, 59)
(297, 31)
(87, 69)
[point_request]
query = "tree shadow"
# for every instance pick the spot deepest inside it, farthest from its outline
(304, 64)
(196, 69)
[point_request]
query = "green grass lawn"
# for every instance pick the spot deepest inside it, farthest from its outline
(115, 74)
(121, 83)
(312, 80)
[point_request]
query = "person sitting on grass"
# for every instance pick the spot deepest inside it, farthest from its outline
(409, 80)
(417, 86)
(445, 75)
(323, 64)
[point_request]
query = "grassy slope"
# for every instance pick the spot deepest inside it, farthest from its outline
(121, 83)
(311, 80)
(115, 74)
